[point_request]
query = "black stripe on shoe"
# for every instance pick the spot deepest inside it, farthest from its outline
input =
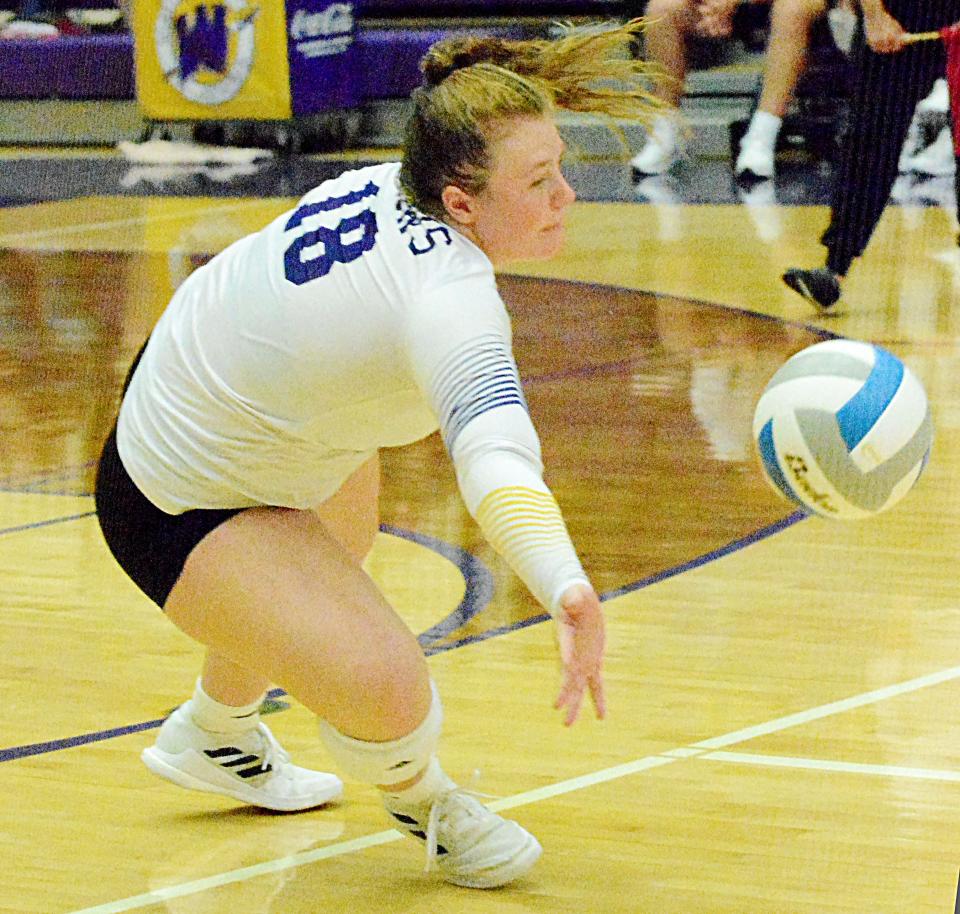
(253, 772)
(221, 752)
(234, 758)
(400, 817)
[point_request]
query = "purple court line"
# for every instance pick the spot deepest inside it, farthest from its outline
(479, 591)
(704, 559)
(479, 581)
(71, 742)
(710, 305)
(476, 575)
(45, 523)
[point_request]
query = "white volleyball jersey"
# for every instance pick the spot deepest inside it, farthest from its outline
(349, 323)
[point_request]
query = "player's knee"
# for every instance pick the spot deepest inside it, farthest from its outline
(392, 761)
(391, 690)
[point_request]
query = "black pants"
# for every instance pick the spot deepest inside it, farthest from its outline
(885, 92)
(150, 545)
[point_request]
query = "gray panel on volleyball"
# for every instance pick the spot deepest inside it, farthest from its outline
(869, 490)
(828, 364)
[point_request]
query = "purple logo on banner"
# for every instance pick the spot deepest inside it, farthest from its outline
(321, 40)
(204, 43)
(197, 39)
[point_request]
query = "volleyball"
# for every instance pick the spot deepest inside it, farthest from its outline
(843, 429)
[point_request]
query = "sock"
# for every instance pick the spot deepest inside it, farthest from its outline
(665, 131)
(433, 782)
(764, 128)
(209, 714)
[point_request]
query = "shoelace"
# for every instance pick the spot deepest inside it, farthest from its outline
(433, 823)
(433, 820)
(272, 750)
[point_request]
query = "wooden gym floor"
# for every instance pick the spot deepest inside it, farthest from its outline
(784, 723)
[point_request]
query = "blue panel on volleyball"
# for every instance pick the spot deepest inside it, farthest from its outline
(768, 454)
(861, 412)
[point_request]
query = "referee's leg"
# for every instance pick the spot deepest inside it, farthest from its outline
(887, 89)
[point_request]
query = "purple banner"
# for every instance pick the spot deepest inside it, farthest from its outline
(321, 48)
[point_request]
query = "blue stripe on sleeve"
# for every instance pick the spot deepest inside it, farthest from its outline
(478, 377)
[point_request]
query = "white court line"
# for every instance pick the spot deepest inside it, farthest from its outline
(159, 896)
(835, 707)
(61, 231)
(695, 751)
(813, 764)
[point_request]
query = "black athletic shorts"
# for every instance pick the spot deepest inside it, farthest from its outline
(150, 545)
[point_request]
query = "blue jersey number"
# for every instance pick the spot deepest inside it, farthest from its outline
(351, 238)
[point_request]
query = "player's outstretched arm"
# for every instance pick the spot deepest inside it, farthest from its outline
(464, 364)
(582, 639)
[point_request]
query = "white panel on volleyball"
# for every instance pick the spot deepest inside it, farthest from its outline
(829, 392)
(895, 427)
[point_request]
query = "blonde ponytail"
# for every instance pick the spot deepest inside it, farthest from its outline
(588, 69)
(472, 85)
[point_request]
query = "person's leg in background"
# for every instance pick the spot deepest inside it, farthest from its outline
(790, 25)
(886, 90)
(665, 44)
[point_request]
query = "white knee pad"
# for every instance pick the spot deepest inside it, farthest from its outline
(391, 762)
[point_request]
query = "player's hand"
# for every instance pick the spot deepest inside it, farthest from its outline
(581, 635)
(884, 34)
(715, 18)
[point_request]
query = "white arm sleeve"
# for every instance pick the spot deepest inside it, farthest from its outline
(459, 345)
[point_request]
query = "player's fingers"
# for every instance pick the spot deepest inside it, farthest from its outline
(598, 696)
(563, 696)
(573, 706)
(570, 697)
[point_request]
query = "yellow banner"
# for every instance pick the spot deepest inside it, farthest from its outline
(212, 59)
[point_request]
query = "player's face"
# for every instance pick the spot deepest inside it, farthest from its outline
(519, 215)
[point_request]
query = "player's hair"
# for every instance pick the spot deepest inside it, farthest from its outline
(473, 85)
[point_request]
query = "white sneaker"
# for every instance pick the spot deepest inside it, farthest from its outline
(938, 100)
(755, 158)
(938, 191)
(251, 767)
(469, 845)
(911, 146)
(843, 26)
(655, 158)
(937, 159)
(662, 150)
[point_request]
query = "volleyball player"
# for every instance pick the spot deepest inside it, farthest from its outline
(239, 486)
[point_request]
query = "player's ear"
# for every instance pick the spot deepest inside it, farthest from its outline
(460, 205)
